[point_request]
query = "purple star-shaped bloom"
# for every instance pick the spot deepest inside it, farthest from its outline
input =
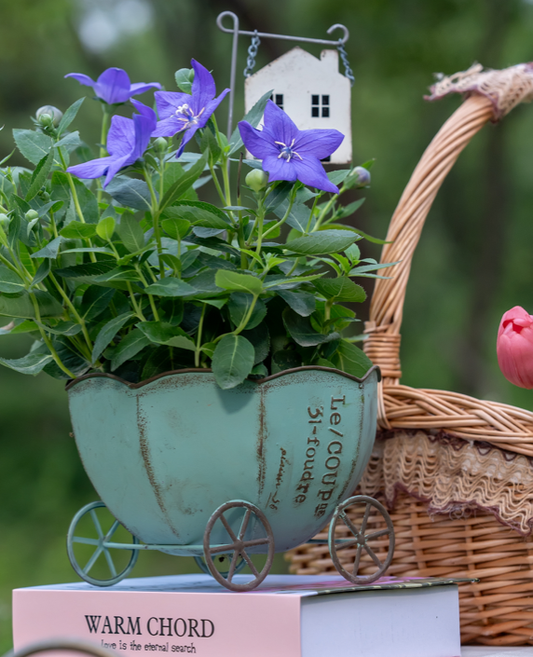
(181, 112)
(126, 142)
(288, 153)
(113, 86)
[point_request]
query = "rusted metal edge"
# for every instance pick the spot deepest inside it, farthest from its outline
(303, 368)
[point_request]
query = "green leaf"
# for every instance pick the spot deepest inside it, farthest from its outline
(183, 183)
(69, 116)
(60, 189)
(322, 242)
(61, 328)
(340, 289)
(33, 145)
(131, 192)
(176, 228)
(349, 209)
(88, 271)
(94, 301)
(78, 230)
(131, 233)
(285, 359)
(199, 213)
(117, 274)
(10, 281)
(239, 304)
(351, 359)
(298, 216)
(260, 339)
(33, 363)
(170, 287)
(128, 347)
(22, 306)
(233, 360)
(88, 202)
(51, 250)
(42, 272)
(184, 79)
(70, 142)
(303, 303)
(231, 280)
(106, 228)
(40, 175)
(166, 334)
(253, 117)
(158, 362)
(301, 331)
(107, 333)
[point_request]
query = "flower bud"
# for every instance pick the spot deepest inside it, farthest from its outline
(362, 176)
(31, 215)
(48, 115)
(4, 219)
(160, 145)
(257, 179)
(514, 347)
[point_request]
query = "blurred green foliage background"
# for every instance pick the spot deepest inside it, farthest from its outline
(472, 264)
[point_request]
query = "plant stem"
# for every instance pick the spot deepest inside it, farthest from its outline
(285, 216)
(324, 212)
(155, 219)
(136, 307)
(47, 340)
(103, 141)
(150, 297)
(73, 310)
(199, 338)
(217, 184)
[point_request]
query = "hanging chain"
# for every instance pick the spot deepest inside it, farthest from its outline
(252, 54)
(344, 56)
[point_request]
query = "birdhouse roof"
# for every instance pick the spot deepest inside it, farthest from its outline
(296, 59)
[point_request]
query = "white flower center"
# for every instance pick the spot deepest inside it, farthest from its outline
(185, 114)
(286, 152)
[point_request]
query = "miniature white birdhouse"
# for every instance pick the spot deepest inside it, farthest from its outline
(312, 92)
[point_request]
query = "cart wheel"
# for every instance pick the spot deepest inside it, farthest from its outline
(237, 547)
(344, 535)
(101, 527)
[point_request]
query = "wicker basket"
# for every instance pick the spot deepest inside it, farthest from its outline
(456, 472)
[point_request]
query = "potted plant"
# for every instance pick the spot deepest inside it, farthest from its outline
(122, 276)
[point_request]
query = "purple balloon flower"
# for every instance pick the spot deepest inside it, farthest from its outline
(126, 142)
(288, 153)
(113, 86)
(181, 112)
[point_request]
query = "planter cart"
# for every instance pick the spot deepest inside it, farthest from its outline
(190, 469)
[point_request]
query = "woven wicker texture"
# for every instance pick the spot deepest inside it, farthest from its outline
(453, 468)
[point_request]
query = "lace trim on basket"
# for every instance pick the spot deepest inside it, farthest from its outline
(453, 476)
(505, 89)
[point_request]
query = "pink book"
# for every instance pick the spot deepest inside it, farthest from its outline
(287, 616)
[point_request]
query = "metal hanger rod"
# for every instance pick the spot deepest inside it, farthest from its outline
(284, 37)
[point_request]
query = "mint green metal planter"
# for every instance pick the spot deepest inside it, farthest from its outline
(165, 454)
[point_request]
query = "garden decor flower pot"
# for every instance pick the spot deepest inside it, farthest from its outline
(166, 453)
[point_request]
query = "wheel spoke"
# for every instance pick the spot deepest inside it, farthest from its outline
(230, 547)
(250, 563)
(355, 568)
(244, 524)
(228, 528)
(110, 563)
(92, 560)
(256, 541)
(97, 524)
(113, 529)
(378, 534)
(233, 565)
(365, 519)
(351, 526)
(346, 543)
(86, 541)
(373, 556)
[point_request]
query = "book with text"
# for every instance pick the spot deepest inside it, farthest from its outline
(287, 616)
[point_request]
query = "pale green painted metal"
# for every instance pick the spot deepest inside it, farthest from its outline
(164, 454)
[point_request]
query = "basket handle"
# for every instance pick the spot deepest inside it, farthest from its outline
(492, 94)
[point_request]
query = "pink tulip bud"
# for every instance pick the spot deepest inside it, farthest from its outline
(514, 347)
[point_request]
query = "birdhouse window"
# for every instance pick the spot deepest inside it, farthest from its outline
(320, 105)
(278, 99)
